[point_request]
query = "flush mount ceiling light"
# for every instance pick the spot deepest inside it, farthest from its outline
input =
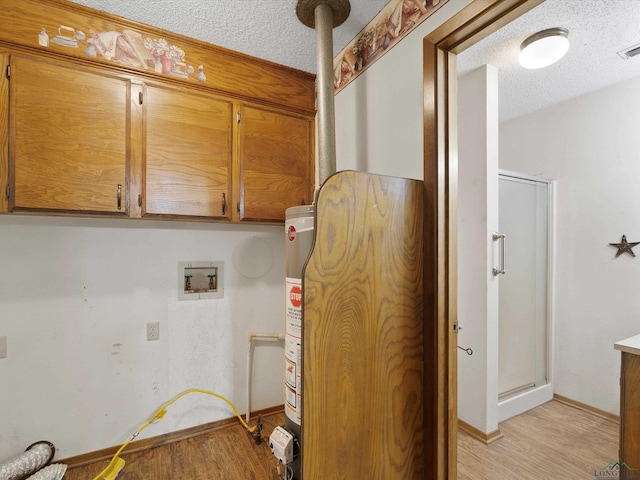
(544, 48)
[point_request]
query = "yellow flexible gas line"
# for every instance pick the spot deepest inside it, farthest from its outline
(117, 463)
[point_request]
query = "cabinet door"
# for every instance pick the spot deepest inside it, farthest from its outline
(4, 139)
(630, 413)
(276, 166)
(188, 153)
(69, 129)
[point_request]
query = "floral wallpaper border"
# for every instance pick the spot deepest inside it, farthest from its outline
(390, 26)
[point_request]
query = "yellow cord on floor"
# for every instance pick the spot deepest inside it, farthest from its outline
(117, 463)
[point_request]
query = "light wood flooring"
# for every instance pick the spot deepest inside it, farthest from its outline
(554, 441)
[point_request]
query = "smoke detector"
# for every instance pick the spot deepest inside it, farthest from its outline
(630, 52)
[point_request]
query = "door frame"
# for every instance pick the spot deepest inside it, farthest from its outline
(470, 25)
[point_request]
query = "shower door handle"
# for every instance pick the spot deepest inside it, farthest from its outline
(501, 269)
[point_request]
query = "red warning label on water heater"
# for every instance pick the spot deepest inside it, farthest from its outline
(293, 352)
(291, 233)
(295, 296)
(293, 326)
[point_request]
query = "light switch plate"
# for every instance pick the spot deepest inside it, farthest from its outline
(3, 347)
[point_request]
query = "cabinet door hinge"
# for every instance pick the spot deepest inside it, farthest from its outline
(456, 328)
(238, 117)
(140, 98)
(8, 192)
(8, 72)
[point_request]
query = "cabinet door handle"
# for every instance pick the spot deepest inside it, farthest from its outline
(140, 200)
(224, 204)
(119, 197)
(499, 270)
(238, 206)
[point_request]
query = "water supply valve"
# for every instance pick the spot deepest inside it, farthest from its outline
(281, 444)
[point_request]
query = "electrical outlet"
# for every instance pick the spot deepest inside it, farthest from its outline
(3, 347)
(153, 331)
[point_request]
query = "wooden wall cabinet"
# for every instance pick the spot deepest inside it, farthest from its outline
(214, 136)
(187, 159)
(89, 141)
(68, 138)
(275, 168)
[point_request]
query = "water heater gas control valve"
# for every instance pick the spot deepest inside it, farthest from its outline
(281, 443)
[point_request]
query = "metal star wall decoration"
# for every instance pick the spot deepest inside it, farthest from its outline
(624, 246)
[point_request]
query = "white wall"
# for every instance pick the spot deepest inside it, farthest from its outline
(591, 146)
(75, 294)
(477, 220)
(379, 127)
(75, 297)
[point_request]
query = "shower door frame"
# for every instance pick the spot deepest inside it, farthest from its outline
(539, 394)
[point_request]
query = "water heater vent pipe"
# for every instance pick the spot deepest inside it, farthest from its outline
(324, 15)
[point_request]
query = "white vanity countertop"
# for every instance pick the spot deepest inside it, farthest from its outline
(630, 345)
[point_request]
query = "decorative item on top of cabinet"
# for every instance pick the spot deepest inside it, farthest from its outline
(63, 28)
(275, 163)
(69, 132)
(125, 47)
(187, 165)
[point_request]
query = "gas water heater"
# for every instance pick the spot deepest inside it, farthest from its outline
(323, 15)
(299, 225)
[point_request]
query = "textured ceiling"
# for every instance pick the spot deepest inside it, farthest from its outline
(267, 29)
(598, 29)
